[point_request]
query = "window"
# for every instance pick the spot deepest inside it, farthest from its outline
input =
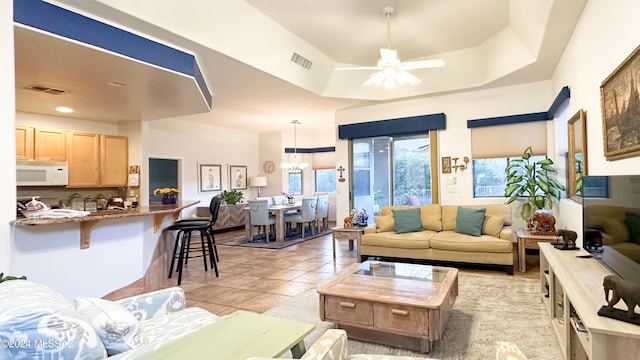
(325, 180)
(295, 182)
(489, 176)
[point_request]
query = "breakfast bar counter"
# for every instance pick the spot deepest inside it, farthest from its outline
(158, 212)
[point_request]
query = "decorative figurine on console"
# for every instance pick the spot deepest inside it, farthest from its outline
(568, 240)
(623, 289)
(348, 222)
(542, 222)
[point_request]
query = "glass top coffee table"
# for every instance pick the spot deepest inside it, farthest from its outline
(408, 304)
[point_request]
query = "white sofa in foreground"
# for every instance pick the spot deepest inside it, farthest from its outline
(38, 323)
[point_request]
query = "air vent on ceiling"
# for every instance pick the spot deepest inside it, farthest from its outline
(305, 63)
(46, 89)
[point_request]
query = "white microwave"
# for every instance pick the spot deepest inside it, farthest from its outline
(33, 173)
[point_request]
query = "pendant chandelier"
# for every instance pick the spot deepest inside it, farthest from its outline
(295, 165)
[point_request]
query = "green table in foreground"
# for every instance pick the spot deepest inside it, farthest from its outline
(240, 335)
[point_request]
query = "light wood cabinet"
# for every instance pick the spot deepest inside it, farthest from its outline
(114, 160)
(84, 159)
(97, 160)
(571, 290)
(50, 145)
(24, 143)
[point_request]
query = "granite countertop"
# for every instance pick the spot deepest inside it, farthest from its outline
(153, 209)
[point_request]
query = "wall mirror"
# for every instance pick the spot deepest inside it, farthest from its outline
(577, 159)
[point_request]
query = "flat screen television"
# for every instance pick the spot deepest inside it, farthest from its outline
(611, 222)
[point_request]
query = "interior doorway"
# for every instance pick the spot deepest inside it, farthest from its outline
(163, 173)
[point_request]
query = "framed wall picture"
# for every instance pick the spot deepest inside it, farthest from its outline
(619, 98)
(446, 164)
(237, 177)
(210, 178)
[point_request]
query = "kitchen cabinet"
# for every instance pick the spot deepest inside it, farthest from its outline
(114, 160)
(84, 159)
(40, 144)
(24, 143)
(49, 145)
(97, 160)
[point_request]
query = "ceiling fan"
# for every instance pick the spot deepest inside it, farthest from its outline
(390, 68)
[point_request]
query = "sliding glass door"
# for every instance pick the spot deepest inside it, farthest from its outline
(391, 170)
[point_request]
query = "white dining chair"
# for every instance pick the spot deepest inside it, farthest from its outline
(307, 214)
(260, 217)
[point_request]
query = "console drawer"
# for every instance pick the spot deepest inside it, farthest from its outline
(339, 309)
(406, 319)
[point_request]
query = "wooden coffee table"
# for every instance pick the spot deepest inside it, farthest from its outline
(402, 305)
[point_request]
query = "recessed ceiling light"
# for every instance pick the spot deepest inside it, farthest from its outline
(117, 83)
(64, 109)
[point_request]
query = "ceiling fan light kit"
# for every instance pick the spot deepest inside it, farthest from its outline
(390, 70)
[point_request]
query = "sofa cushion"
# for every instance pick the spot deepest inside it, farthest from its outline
(469, 221)
(29, 310)
(384, 223)
(449, 214)
(116, 326)
(407, 220)
(632, 220)
(451, 240)
(492, 225)
(165, 329)
(431, 216)
(617, 229)
(413, 240)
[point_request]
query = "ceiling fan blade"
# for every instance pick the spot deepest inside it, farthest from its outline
(422, 64)
(357, 68)
(406, 77)
(376, 79)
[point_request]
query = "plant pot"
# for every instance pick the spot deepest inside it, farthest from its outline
(169, 199)
(291, 201)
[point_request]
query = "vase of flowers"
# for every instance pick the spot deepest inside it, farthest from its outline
(290, 199)
(169, 195)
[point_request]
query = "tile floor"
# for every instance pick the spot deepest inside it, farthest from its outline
(257, 279)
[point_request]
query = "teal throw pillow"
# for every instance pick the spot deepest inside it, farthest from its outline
(633, 224)
(469, 221)
(407, 221)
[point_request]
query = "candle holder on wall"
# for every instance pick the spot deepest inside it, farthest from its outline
(455, 165)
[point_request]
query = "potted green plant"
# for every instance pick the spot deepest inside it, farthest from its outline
(9, 277)
(232, 197)
(532, 181)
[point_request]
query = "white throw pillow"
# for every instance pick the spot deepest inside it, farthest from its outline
(116, 326)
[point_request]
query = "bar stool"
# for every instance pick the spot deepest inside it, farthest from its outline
(183, 240)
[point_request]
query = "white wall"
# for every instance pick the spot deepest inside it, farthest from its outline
(455, 140)
(7, 131)
(606, 34)
(194, 143)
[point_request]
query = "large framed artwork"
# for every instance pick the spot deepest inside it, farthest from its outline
(237, 177)
(620, 102)
(210, 178)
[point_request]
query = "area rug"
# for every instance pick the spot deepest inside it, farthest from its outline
(489, 308)
(260, 243)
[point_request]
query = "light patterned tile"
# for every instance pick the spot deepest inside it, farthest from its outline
(263, 303)
(285, 274)
(291, 288)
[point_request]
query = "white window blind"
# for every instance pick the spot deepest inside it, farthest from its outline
(510, 140)
(324, 160)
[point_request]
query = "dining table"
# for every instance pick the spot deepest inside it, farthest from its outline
(279, 210)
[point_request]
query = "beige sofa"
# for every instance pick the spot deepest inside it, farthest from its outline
(438, 240)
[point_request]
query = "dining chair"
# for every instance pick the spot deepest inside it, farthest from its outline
(307, 214)
(278, 199)
(268, 198)
(322, 213)
(259, 216)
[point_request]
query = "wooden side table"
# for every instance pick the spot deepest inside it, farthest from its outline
(340, 233)
(526, 240)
